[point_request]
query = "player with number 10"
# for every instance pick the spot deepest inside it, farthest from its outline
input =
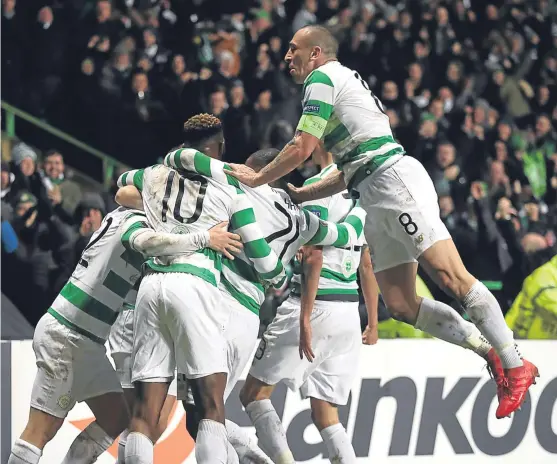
(403, 226)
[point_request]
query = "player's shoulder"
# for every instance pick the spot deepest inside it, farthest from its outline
(331, 74)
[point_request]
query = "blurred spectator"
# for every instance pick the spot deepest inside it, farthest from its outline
(306, 15)
(64, 193)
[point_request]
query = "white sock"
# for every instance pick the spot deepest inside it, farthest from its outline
(338, 445)
(122, 447)
(270, 431)
(139, 449)
(232, 455)
(486, 314)
(245, 446)
(444, 323)
(88, 445)
(24, 453)
(211, 445)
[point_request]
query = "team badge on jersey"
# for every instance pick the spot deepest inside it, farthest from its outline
(348, 266)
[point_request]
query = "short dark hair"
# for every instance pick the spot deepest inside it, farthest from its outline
(52, 152)
(200, 128)
(262, 158)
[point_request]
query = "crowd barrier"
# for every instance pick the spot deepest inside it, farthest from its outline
(414, 401)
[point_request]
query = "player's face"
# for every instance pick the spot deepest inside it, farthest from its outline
(299, 57)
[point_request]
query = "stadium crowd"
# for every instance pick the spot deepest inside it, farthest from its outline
(470, 87)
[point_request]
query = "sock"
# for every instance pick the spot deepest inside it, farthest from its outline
(122, 447)
(211, 445)
(232, 455)
(486, 314)
(443, 322)
(271, 433)
(245, 446)
(338, 445)
(88, 445)
(24, 453)
(139, 449)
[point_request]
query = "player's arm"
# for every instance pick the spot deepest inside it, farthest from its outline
(192, 160)
(317, 110)
(370, 290)
(312, 262)
(326, 233)
(133, 177)
(144, 239)
(265, 261)
(326, 187)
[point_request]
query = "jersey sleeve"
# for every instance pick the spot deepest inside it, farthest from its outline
(133, 177)
(318, 207)
(317, 104)
(265, 261)
(138, 236)
(326, 233)
(192, 160)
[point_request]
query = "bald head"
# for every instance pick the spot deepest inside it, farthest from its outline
(320, 36)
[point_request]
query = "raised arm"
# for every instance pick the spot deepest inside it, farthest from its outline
(133, 177)
(192, 160)
(348, 232)
(318, 101)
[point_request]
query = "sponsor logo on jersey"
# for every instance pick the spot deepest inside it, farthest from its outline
(312, 109)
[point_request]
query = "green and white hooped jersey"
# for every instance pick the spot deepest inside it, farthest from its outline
(186, 202)
(105, 275)
(340, 109)
(284, 225)
(338, 279)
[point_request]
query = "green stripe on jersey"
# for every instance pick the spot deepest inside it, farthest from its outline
(243, 270)
(257, 248)
(138, 179)
(337, 276)
(88, 304)
(355, 222)
(202, 164)
(338, 134)
(371, 145)
(125, 239)
(317, 77)
(240, 297)
(133, 258)
(62, 320)
(204, 274)
(117, 284)
(242, 218)
(275, 272)
(342, 235)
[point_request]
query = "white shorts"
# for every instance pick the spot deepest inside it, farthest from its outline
(241, 336)
(402, 213)
(179, 322)
(120, 343)
(336, 343)
(70, 368)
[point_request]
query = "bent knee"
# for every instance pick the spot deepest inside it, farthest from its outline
(403, 310)
(254, 390)
(456, 282)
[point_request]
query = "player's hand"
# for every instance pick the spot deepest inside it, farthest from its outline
(305, 341)
(296, 194)
(223, 241)
(370, 335)
(244, 174)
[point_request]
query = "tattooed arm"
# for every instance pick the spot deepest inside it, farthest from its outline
(292, 155)
(329, 185)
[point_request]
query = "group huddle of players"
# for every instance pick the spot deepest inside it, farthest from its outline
(174, 279)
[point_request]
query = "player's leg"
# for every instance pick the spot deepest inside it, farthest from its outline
(443, 263)
(50, 401)
(241, 336)
(276, 359)
(336, 440)
(152, 370)
(199, 320)
(329, 384)
(401, 231)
